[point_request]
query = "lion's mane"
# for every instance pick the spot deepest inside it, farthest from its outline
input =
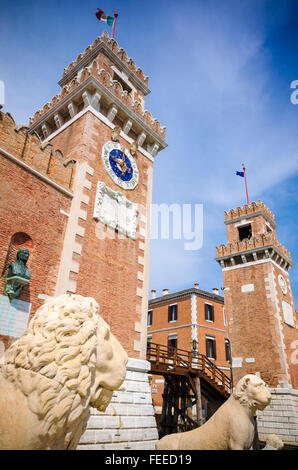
(58, 351)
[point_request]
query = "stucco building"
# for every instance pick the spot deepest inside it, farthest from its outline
(185, 320)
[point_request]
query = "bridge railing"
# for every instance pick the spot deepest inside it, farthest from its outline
(190, 361)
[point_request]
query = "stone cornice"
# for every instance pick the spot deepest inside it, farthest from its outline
(110, 54)
(186, 293)
(264, 249)
(79, 89)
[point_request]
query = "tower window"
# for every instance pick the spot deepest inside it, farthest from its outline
(172, 313)
(125, 86)
(245, 232)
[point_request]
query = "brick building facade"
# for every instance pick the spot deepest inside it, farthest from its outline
(85, 159)
(186, 319)
(261, 315)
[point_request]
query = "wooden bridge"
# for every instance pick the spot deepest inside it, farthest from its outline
(188, 375)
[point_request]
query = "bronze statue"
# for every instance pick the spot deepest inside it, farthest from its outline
(18, 274)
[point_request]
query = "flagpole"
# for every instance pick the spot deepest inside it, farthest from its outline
(116, 15)
(245, 183)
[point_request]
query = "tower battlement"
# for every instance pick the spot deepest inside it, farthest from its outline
(247, 210)
(105, 81)
(251, 237)
(28, 151)
(116, 49)
(246, 245)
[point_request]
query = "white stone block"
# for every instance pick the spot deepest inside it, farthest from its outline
(88, 437)
(247, 288)
(112, 422)
(101, 436)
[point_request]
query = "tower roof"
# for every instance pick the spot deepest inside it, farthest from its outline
(257, 244)
(105, 81)
(111, 49)
(249, 210)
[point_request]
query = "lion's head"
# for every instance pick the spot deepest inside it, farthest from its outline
(66, 361)
(252, 392)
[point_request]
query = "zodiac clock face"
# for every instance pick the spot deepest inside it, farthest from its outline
(120, 165)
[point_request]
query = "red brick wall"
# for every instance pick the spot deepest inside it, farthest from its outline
(31, 206)
(253, 326)
(108, 268)
(258, 225)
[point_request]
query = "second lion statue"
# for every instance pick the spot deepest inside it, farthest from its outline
(66, 362)
(231, 427)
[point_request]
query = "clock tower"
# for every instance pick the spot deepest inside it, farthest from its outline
(261, 315)
(100, 124)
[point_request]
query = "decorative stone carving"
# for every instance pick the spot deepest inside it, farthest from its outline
(18, 275)
(66, 362)
(127, 126)
(116, 134)
(45, 129)
(141, 139)
(113, 209)
(282, 284)
(231, 427)
(72, 109)
(59, 121)
(273, 442)
(133, 148)
(112, 113)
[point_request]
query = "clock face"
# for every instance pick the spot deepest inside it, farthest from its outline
(120, 165)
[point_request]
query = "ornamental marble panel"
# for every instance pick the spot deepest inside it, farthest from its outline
(288, 313)
(113, 209)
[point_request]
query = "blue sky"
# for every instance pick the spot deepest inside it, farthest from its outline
(219, 74)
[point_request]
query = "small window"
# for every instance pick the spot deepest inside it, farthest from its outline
(173, 313)
(149, 341)
(209, 312)
(228, 350)
(210, 347)
(125, 86)
(245, 232)
(150, 316)
(172, 345)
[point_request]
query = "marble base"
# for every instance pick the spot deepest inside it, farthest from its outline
(129, 422)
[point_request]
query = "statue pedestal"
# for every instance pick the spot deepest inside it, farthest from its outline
(14, 316)
(14, 285)
(128, 422)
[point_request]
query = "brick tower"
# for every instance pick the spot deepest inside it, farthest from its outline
(262, 321)
(98, 131)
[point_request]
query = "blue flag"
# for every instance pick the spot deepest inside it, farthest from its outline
(240, 173)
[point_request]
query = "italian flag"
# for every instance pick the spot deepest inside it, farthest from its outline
(102, 16)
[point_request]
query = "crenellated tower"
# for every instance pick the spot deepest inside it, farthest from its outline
(92, 147)
(259, 305)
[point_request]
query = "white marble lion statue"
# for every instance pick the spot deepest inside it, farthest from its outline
(66, 361)
(231, 427)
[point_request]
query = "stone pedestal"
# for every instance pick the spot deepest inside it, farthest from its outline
(281, 416)
(128, 422)
(14, 316)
